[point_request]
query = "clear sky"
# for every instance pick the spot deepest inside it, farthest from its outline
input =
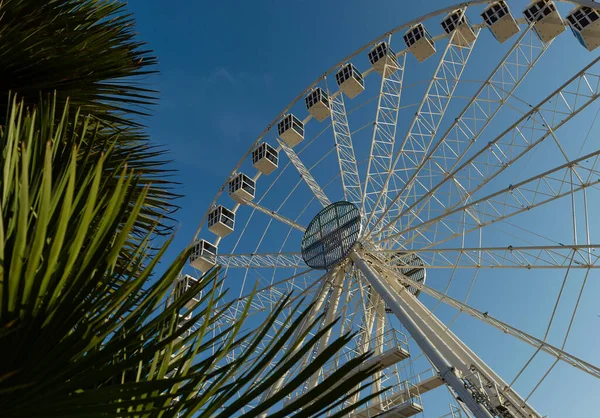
(228, 68)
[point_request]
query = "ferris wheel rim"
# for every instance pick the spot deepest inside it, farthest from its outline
(465, 4)
(596, 6)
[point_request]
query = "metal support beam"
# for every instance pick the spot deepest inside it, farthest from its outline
(511, 145)
(330, 316)
(517, 198)
(365, 337)
(308, 178)
(345, 150)
(276, 216)
(480, 378)
(474, 118)
(298, 338)
(446, 369)
(425, 124)
(379, 335)
(256, 261)
(507, 329)
(564, 256)
(374, 199)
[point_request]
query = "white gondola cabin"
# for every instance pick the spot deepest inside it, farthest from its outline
(221, 221)
(317, 104)
(265, 158)
(242, 188)
(182, 285)
(419, 42)
(350, 80)
(382, 57)
(204, 255)
(291, 130)
(500, 21)
(547, 23)
(456, 22)
(585, 25)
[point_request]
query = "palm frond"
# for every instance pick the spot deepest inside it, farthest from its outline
(84, 50)
(86, 332)
(87, 52)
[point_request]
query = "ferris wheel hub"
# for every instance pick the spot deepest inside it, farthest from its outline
(331, 235)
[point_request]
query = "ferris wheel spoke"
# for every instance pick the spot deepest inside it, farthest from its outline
(319, 300)
(371, 331)
(384, 135)
(442, 347)
(380, 323)
(292, 223)
(502, 326)
(503, 152)
(352, 313)
(257, 261)
(276, 216)
(331, 310)
(507, 148)
(365, 306)
(565, 180)
(426, 122)
(566, 256)
(305, 174)
(350, 310)
(345, 150)
(263, 299)
(474, 118)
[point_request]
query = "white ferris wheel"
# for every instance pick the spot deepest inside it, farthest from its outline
(436, 190)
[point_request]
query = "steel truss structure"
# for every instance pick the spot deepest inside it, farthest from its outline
(345, 151)
(483, 168)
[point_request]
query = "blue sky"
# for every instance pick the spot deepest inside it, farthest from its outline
(227, 68)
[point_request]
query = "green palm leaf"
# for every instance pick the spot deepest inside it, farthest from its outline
(86, 331)
(86, 52)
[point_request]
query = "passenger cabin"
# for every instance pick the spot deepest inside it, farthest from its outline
(204, 256)
(585, 25)
(182, 285)
(500, 21)
(291, 130)
(547, 23)
(350, 80)
(419, 42)
(317, 104)
(456, 23)
(221, 221)
(382, 57)
(265, 158)
(242, 188)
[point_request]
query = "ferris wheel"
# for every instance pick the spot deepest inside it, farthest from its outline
(436, 191)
